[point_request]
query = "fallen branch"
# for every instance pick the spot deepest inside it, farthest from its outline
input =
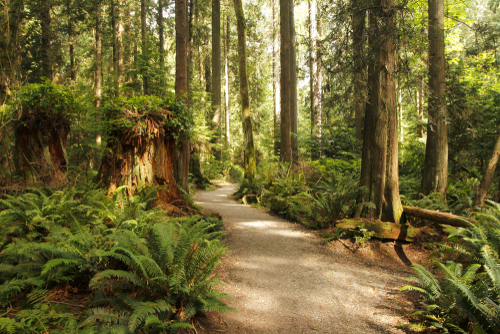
(438, 217)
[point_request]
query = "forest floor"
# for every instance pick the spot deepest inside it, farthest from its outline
(283, 281)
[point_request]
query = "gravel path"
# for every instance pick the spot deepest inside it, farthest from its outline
(283, 281)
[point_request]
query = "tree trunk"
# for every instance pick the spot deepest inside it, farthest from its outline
(216, 68)
(293, 78)
(380, 170)
(161, 43)
(482, 191)
(119, 46)
(435, 173)
(72, 69)
(358, 41)
(315, 84)
(226, 81)
(392, 208)
(182, 82)
(9, 58)
(115, 47)
(285, 82)
(276, 77)
(420, 108)
(250, 163)
(45, 19)
(145, 77)
(98, 62)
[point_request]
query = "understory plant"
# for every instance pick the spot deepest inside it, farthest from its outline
(128, 265)
(463, 293)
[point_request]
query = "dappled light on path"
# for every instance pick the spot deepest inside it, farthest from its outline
(283, 281)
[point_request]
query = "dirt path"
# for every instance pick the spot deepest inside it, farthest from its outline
(283, 281)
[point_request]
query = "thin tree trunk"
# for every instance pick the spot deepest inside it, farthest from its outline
(216, 67)
(145, 77)
(420, 104)
(115, 47)
(314, 82)
(358, 22)
(9, 58)
(482, 191)
(293, 86)
(393, 209)
(161, 44)
(98, 61)
(250, 163)
(435, 173)
(46, 39)
(285, 82)
(119, 46)
(72, 69)
(276, 77)
(182, 81)
(226, 74)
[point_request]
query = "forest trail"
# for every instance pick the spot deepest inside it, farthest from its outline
(283, 281)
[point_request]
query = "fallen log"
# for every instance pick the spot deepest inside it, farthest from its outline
(438, 217)
(384, 230)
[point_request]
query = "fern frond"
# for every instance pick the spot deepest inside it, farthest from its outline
(148, 308)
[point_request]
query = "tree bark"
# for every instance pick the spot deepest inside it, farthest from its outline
(161, 42)
(293, 87)
(9, 57)
(119, 46)
(98, 62)
(46, 21)
(358, 41)
(315, 83)
(115, 47)
(435, 173)
(420, 108)
(182, 82)
(438, 217)
(482, 191)
(250, 163)
(226, 81)
(216, 67)
(285, 82)
(276, 77)
(145, 77)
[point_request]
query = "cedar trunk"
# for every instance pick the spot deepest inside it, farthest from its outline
(250, 163)
(293, 85)
(226, 73)
(285, 82)
(145, 83)
(276, 77)
(182, 84)
(216, 67)
(315, 82)
(435, 173)
(358, 41)
(482, 191)
(46, 39)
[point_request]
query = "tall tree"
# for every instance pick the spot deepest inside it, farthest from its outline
(10, 22)
(285, 82)
(46, 21)
(72, 70)
(435, 173)
(314, 80)
(227, 42)
(145, 79)
(358, 41)
(182, 83)
(276, 76)
(216, 67)
(98, 60)
(161, 41)
(380, 169)
(482, 191)
(293, 88)
(250, 163)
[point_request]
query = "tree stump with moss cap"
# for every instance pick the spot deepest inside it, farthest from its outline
(140, 152)
(42, 116)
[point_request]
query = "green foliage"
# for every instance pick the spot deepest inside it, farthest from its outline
(360, 235)
(148, 116)
(148, 272)
(43, 106)
(468, 295)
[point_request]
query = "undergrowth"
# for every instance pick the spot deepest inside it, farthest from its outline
(125, 264)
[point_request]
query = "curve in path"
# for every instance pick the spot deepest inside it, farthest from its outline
(283, 281)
